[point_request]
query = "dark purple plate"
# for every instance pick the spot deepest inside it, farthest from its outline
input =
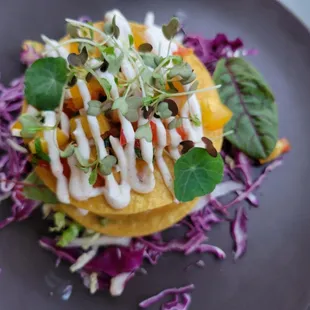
(275, 272)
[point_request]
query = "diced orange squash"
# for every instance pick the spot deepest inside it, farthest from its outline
(138, 34)
(62, 140)
(282, 146)
(214, 116)
(102, 120)
(76, 102)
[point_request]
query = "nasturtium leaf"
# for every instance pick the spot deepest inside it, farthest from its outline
(94, 107)
(255, 119)
(175, 123)
(35, 189)
(171, 29)
(196, 174)
(134, 104)
(144, 132)
(39, 151)
(67, 152)
(120, 104)
(106, 164)
(30, 125)
(45, 82)
(163, 110)
(69, 234)
(145, 48)
(93, 176)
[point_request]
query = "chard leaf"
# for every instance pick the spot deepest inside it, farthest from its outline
(196, 174)
(255, 118)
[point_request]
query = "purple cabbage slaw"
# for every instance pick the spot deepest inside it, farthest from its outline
(13, 163)
(112, 261)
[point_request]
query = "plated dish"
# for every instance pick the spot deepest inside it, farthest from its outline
(124, 126)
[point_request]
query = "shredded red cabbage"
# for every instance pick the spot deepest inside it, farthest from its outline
(210, 51)
(239, 231)
(175, 303)
(13, 164)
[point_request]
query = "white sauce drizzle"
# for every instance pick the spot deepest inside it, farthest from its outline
(162, 142)
(53, 152)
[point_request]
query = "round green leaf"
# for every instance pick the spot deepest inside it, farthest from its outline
(45, 82)
(196, 174)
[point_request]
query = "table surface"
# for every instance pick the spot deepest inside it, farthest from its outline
(301, 8)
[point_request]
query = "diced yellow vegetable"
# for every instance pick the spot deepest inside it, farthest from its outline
(62, 140)
(103, 124)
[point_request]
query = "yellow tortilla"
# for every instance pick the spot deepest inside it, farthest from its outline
(136, 225)
(160, 196)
